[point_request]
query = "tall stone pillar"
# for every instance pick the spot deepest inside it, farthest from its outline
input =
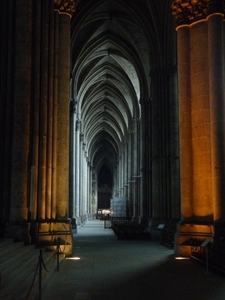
(77, 174)
(201, 96)
(65, 9)
(120, 171)
(146, 137)
(21, 113)
(50, 113)
(129, 174)
(7, 55)
(136, 170)
(73, 145)
(81, 169)
(186, 159)
(217, 111)
(44, 125)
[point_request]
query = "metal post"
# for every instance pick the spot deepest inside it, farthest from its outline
(40, 274)
(207, 259)
(58, 254)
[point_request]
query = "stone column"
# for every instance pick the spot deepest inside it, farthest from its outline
(217, 111)
(65, 8)
(200, 56)
(36, 113)
(81, 174)
(85, 185)
(50, 115)
(43, 106)
(84, 181)
(129, 175)
(18, 226)
(73, 145)
(7, 56)
(77, 172)
(124, 169)
(136, 171)
(21, 115)
(90, 191)
(55, 119)
(200, 114)
(186, 159)
(146, 137)
(120, 174)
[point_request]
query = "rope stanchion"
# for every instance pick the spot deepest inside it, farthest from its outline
(58, 249)
(40, 276)
(39, 266)
(35, 273)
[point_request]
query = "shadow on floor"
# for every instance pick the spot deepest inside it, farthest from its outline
(110, 269)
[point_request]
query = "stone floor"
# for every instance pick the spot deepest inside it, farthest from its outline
(104, 268)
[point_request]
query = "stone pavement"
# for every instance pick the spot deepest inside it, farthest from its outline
(104, 268)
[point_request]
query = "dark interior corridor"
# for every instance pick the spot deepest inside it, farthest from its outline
(109, 269)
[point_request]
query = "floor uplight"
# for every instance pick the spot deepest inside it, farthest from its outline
(74, 258)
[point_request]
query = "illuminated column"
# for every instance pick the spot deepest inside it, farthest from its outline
(217, 111)
(201, 77)
(50, 117)
(55, 119)
(65, 8)
(202, 176)
(195, 151)
(43, 115)
(186, 160)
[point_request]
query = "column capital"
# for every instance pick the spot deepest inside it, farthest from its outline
(65, 6)
(189, 11)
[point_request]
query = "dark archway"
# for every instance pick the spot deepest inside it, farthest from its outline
(105, 185)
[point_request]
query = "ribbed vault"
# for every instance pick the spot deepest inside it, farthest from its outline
(107, 75)
(122, 88)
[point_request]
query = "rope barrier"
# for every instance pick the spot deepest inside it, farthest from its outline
(35, 273)
(39, 265)
(59, 250)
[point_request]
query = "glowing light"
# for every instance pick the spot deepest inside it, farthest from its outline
(181, 258)
(74, 258)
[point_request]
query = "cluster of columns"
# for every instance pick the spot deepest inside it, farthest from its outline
(84, 174)
(35, 111)
(200, 43)
(128, 183)
(160, 154)
(80, 169)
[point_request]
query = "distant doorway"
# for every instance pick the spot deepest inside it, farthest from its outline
(105, 184)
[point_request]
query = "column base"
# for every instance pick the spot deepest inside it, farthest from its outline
(189, 235)
(49, 235)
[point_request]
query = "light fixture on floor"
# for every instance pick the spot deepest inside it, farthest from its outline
(74, 258)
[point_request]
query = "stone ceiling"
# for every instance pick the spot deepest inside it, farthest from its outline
(111, 44)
